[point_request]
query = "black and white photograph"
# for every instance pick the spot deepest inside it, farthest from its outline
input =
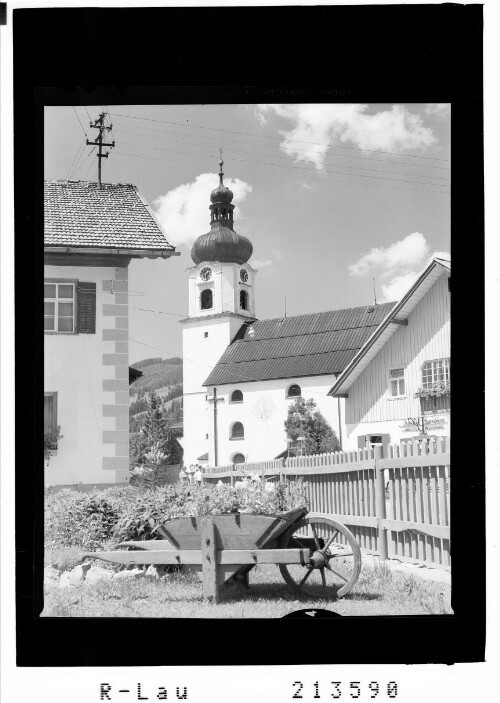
(243, 222)
(247, 373)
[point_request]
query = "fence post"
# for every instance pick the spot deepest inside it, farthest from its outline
(380, 504)
(232, 475)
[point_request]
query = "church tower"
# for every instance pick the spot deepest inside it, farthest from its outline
(221, 299)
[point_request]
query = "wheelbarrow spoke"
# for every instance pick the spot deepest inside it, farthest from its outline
(329, 542)
(316, 539)
(304, 579)
(337, 573)
(344, 574)
(340, 554)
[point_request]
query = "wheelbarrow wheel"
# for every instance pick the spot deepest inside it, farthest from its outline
(335, 558)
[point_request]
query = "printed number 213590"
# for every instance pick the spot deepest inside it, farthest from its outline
(347, 689)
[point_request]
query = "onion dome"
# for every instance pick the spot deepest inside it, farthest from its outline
(221, 194)
(222, 243)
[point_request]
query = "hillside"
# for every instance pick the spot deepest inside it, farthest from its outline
(156, 373)
(164, 376)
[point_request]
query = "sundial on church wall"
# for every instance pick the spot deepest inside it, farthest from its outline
(264, 409)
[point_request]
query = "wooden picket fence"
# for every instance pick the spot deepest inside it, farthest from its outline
(396, 505)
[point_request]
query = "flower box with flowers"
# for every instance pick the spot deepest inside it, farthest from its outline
(436, 390)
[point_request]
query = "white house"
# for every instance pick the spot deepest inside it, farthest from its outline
(240, 373)
(91, 233)
(397, 386)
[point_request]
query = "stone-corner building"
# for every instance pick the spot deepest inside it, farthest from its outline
(241, 374)
(91, 234)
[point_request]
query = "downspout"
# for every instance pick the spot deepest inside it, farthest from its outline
(339, 416)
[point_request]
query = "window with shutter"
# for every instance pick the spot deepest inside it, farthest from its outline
(59, 306)
(86, 305)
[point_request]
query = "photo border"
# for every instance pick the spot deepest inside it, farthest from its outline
(53, 47)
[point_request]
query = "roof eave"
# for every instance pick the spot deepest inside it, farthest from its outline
(113, 251)
(339, 388)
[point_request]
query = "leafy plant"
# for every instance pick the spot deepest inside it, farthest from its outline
(50, 440)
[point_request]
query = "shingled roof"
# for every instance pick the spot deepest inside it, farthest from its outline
(306, 345)
(112, 216)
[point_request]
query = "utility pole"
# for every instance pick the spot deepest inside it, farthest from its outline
(99, 124)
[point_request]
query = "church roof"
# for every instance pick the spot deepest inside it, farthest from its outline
(113, 216)
(293, 347)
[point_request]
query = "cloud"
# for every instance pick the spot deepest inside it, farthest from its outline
(183, 212)
(398, 265)
(314, 128)
(441, 255)
(440, 110)
(407, 253)
(277, 254)
(398, 286)
(262, 263)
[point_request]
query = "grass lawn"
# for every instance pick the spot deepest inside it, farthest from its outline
(379, 591)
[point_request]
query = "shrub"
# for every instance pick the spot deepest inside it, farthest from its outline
(75, 518)
(89, 520)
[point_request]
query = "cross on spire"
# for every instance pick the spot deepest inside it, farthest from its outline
(221, 164)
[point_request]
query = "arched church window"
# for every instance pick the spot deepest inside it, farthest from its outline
(243, 300)
(236, 397)
(237, 431)
(206, 299)
(238, 459)
(294, 391)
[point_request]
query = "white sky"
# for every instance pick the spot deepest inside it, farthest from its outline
(331, 196)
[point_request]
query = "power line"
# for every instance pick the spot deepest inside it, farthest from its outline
(79, 120)
(76, 157)
(333, 180)
(239, 377)
(88, 170)
(79, 162)
(85, 159)
(264, 136)
(161, 312)
(273, 146)
(310, 169)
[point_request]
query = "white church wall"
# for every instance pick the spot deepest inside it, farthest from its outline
(195, 442)
(204, 341)
(263, 413)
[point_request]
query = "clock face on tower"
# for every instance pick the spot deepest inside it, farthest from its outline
(205, 274)
(244, 275)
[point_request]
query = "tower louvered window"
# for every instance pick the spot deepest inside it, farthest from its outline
(206, 299)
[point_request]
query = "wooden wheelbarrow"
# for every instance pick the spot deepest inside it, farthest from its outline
(316, 555)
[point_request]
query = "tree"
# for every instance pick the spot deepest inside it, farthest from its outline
(304, 420)
(154, 438)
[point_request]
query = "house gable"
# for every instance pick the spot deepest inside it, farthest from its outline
(425, 337)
